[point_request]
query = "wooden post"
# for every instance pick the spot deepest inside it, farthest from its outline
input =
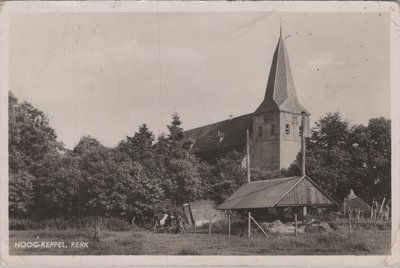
(248, 155)
(249, 225)
(303, 144)
(372, 211)
(229, 223)
(209, 224)
(380, 210)
(295, 224)
(155, 225)
(195, 228)
(349, 222)
(304, 211)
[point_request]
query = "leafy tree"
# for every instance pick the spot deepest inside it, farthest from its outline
(370, 150)
(206, 180)
(98, 174)
(20, 193)
(228, 176)
(60, 194)
(327, 161)
(34, 154)
(340, 157)
(112, 185)
(31, 139)
(259, 174)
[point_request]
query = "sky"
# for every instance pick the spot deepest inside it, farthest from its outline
(105, 74)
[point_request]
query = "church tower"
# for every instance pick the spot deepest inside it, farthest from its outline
(277, 128)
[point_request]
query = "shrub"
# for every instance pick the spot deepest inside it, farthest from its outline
(17, 224)
(116, 224)
(113, 224)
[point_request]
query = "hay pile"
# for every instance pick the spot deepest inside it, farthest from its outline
(314, 226)
(277, 227)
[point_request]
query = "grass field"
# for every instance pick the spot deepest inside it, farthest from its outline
(365, 242)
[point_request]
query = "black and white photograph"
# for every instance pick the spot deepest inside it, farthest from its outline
(191, 129)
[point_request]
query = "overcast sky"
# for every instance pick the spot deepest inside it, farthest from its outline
(105, 74)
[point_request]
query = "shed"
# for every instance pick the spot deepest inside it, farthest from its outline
(354, 203)
(201, 211)
(282, 192)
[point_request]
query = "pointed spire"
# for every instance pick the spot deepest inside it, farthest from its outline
(280, 28)
(280, 93)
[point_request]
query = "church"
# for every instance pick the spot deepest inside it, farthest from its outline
(274, 127)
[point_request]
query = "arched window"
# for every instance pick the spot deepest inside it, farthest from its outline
(300, 131)
(272, 129)
(287, 129)
(260, 131)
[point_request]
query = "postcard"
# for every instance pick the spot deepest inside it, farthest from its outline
(179, 133)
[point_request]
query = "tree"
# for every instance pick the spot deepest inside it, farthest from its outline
(139, 146)
(34, 155)
(20, 193)
(370, 150)
(227, 176)
(181, 179)
(139, 196)
(98, 175)
(31, 139)
(327, 161)
(60, 196)
(260, 174)
(341, 157)
(112, 185)
(175, 129)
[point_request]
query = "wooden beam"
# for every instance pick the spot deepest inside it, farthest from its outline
(262, 230)
(248, 155)
(229, 223)
(303, 144)
(349, 222)
(209, 224)
(249, 224)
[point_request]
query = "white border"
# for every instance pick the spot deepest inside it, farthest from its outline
(8, 8)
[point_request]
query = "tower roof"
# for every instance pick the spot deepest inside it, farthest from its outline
(280, 94)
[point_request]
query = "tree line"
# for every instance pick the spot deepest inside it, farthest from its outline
(144, 175)
(340, 157)
(138, 178)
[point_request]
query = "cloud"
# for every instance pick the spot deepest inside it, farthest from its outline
(325, 59)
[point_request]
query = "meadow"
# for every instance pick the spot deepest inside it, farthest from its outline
(141, 242)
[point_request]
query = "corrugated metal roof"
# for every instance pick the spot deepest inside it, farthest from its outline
(266, 194)
(259, 194)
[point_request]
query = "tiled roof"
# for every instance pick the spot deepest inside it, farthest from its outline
(223, 134)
